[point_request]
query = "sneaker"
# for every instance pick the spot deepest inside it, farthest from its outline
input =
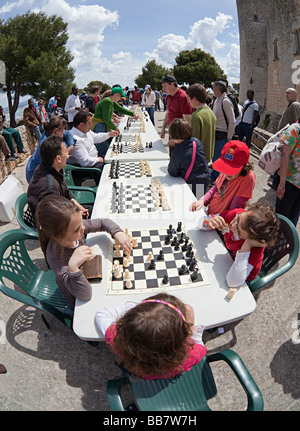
(9, 158)
(23, 151)
(15, 155)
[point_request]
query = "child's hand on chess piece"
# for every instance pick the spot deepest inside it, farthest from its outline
(215, 222)
(80, 255)
(123, 240)
(196, 206)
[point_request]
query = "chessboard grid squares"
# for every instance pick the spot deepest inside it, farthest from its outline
(143, 279)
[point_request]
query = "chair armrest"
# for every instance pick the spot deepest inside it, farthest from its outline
(113, 391)
(255, 399)
(19, 296)
(82, 189)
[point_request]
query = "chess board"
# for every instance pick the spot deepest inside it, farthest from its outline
(145, 280)
(127, 170)
(126, 147)
(138, 198)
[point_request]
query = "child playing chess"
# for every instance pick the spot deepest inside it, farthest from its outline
(246, 234)
(234, 186)
(61, 232)
(155, 338)
(187, 159)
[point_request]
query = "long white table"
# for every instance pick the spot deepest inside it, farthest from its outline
(158, 151)
(211, 306)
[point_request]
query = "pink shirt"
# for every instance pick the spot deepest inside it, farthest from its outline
(178, 105)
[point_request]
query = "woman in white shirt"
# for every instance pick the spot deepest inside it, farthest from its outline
(148, 100)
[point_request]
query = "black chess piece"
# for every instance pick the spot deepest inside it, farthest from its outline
(183, 269)
(189, 251)
(165, 279)
(152, 264)
(167, 240)
(194, 274)
(179, 226)
(190, 259)
(177, 246)
(161, 255)
(174, 241)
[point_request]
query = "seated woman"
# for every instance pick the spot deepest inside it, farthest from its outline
(55, 127)
(188, 158)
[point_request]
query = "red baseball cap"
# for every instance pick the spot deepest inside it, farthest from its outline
(234, 156)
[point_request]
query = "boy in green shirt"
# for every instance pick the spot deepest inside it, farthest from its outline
(202, 120)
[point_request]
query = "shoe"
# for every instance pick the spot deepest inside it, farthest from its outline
(23, 151)
(15, 155)
(3, 370)
(9, 158)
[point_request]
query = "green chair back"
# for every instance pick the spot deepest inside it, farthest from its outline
(23, 213)
(187, 392)
(41, 290)
(287, 244)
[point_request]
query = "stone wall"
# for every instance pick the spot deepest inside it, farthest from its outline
(269, 54)
(29, 143)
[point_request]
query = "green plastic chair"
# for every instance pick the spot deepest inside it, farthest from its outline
(287, 244)
(76, 175)
(187, 392)
(23, 213)
(41, 290)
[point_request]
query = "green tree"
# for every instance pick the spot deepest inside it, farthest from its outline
(33, 47)
(151, 74)
(99, 83)
(196, 66)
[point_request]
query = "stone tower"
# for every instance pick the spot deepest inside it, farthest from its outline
(270, 53)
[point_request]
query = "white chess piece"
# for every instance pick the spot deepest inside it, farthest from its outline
(150, 256)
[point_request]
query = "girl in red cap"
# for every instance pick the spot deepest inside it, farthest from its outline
(234, 186)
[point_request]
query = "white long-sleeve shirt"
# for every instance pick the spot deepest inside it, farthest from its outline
(72, 102)
(85, 152)
(105, 317)
(221, 125)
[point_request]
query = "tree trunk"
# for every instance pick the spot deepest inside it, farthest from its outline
(13, 106)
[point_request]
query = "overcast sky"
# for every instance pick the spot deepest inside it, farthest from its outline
(111, 40)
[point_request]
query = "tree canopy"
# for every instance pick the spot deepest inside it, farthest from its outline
(33, 47)
(196, 66)
(151, 74)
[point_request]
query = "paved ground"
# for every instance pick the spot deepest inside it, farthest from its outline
(54, 370)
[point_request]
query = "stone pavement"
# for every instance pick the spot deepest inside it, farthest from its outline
(52, 369)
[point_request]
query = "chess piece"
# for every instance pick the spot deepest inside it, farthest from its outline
(152, 264)
(150, 256)
(161, 255)
(194, 274)
(128, 284)
(125, 262)
(179, 226)
(118, 252)
(129, 257)
(134, 242)
(183, 269)
(165, 279)
(126, 274)
(117, 272)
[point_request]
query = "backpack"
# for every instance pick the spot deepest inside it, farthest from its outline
(258, 116)
(270, 157)
(234, 102)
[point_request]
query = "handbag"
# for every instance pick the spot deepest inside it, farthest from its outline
(270, 157)
(92, 268)
(188, 172)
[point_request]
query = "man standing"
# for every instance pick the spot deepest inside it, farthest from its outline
(225, 126)
(72, 106)
(48, 177)
(292, 112)
(249, 118)
(53, 101)
(203, 120)
(177, 102)
(85, 152)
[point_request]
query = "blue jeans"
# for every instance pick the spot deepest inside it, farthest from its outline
(151, 113)
(102, 147)
(219, 144)
(245, 130)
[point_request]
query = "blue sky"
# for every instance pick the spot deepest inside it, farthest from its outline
(111, 40)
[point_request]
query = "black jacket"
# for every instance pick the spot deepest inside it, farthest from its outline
(44, 182)
(181, 158)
